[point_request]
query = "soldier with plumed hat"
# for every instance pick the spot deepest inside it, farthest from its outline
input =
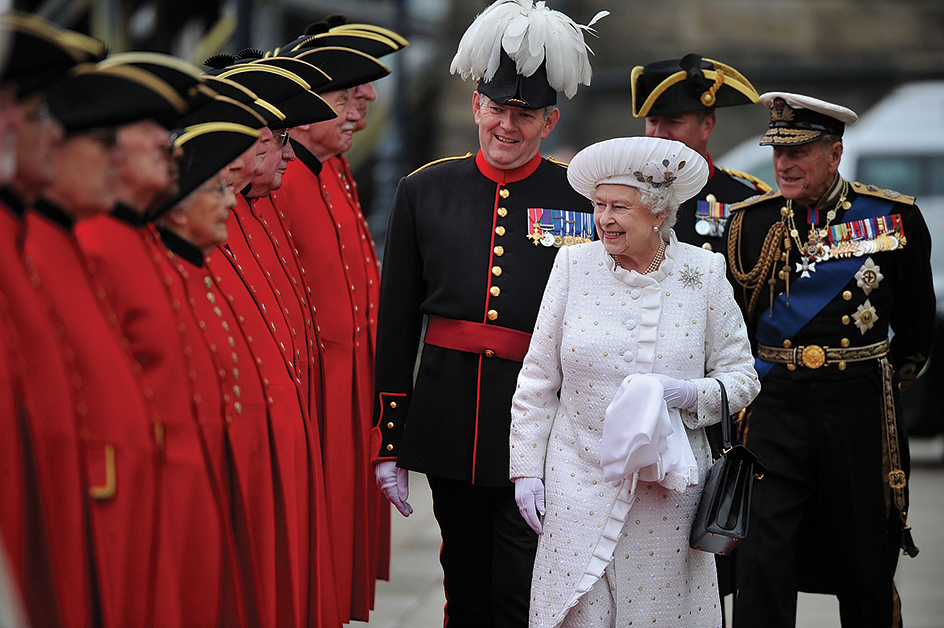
(678, 98)
(470, 244)
(834, 279)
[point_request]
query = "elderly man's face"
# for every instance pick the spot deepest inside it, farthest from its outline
(37, 135)
(206, 210)
(278, 153)
(251, 163)
(88, 165)
(363, 95)
(510, 136)
(805, 172)
(148, 174)
(333, 137)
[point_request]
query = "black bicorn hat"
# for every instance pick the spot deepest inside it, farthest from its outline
(96, 96)
(691, 83)
(796, 119)
(207, 148)
(41, 53)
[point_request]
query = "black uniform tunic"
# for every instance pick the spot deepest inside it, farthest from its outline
(457, 247)
(823, 518)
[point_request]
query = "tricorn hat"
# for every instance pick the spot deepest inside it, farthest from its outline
(796, 119)
(207, 148)
(347, 67)
(523, 54)
(687, 84)
(646, 163)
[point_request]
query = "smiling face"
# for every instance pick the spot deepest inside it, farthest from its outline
(805, 172)
(625, 224)
(331, 137)
(692, 128)
(510, 136)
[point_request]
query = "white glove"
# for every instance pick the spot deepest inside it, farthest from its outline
(395, 484)
(529, 495)
(679, 393)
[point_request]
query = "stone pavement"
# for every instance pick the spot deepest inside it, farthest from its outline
(414, 597)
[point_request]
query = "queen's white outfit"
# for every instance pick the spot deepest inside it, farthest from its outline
(616, 553)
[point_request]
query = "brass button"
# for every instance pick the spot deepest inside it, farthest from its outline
(500, 231)
(499, 250)
(393, 404)
(497, 271)
(489, 353)
(390, 425)
(238, 407)
(492, 315)
(787, 344)
(846, 320)
(502, 212)
(844, 342)
(504, 193)
(707, 246)
(791, 367)
(847, 295)
(389, 447)
(842, 365)
(494, 291)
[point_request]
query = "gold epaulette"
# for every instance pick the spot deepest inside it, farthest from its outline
(439, 161)
(758, 184)
(891, 195)
(559, 163)
(753, 200)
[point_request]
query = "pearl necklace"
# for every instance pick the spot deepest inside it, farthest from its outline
(654, 264)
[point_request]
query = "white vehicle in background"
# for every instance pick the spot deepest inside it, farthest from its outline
(898, 144)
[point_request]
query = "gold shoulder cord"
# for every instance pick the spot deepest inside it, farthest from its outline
(764, 269)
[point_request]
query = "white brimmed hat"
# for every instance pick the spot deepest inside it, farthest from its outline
(647, 163)
(796, 119)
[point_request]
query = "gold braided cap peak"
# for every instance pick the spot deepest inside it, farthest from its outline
(754, 200)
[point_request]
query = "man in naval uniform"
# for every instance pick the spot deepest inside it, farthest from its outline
(470, 244)
(823, 269)
(678, 97)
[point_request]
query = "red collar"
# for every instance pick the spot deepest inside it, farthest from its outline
(503, 177)
(711, 167)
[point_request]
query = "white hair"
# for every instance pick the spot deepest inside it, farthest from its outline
(661, 201)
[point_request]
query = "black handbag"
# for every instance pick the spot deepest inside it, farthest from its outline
(725, 508)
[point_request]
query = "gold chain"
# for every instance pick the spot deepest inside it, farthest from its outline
(813, 246)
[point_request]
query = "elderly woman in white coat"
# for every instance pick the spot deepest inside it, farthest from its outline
(634, 333)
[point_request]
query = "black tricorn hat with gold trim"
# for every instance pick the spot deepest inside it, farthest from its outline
(688, 84)
(207, 148)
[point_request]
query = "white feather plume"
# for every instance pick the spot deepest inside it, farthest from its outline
(530, 34)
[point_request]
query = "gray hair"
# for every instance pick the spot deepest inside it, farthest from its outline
(659, 201)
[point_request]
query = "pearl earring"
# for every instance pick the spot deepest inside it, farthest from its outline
(655, 227)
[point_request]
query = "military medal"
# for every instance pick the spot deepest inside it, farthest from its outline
(869, 276)
(547, 239)
(865, 316)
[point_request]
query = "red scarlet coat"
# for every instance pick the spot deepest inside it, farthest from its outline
(335, 249)
(258, 517)
(122, 437)
(194, 534)
(273, 250)
(41, 486)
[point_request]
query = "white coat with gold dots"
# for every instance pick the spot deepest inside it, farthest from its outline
(599, 323)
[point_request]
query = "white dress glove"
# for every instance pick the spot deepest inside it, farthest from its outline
(529, 495)
(395, 484)
(679, 393)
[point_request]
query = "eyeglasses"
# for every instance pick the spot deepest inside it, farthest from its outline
(219, 188)
(281, 138)
(108, 136)
(171, 146)
(40, 115)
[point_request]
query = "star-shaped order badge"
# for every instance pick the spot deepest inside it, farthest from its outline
(865, 316)
(690, 277)
(869, 276)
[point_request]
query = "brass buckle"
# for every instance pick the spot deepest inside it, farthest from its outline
(896, 479)
(813, 356)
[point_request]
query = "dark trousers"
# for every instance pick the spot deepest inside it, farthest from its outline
(820, 521)
(487, 554)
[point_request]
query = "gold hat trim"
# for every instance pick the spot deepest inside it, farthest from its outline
(390, 43)
(142, 77)
(342, 48)
(728, 75)
(214, 127)
(266, 61)
(371, 28)
(168, 61)
(789, 136)
(272, 69)
(249, 93)
(232, 101)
